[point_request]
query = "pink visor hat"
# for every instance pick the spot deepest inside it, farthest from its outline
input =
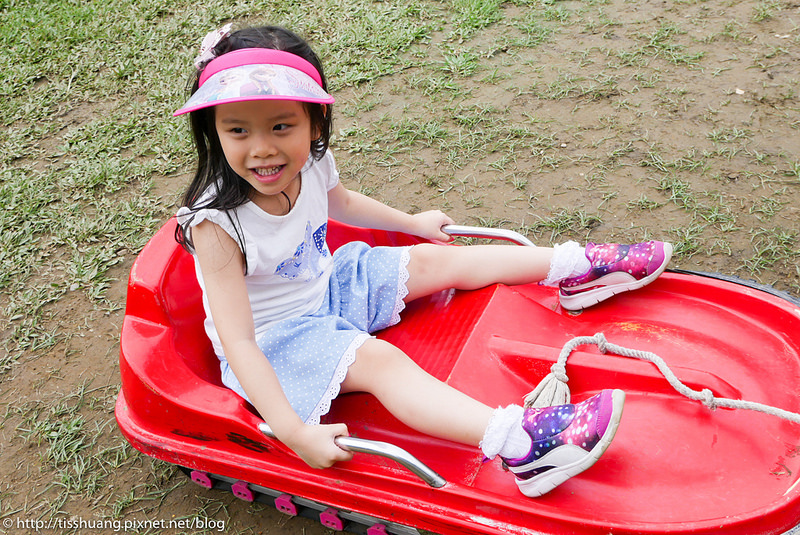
(257, 74)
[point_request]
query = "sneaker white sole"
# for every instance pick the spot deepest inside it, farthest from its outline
(544, 483)
(588, 298)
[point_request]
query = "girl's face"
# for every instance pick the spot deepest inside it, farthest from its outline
(267, 143)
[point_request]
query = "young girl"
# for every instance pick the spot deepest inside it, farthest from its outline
(291, 323)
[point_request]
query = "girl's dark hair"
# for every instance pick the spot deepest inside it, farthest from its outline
(212, 167)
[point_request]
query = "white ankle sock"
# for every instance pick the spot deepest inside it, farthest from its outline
(504, 435)
(569, 260)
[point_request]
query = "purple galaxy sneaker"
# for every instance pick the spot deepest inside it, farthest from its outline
(567, 439)
(615, 269)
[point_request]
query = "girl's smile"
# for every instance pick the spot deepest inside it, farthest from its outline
(268, 174)
(267, 143)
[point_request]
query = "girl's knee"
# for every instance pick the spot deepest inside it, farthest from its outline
(423, 257)
(430, 269)
(376, 361)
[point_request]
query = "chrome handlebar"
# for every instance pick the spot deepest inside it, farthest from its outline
(382, 449)
(488, 233)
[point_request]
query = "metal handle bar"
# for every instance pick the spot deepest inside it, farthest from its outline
(490, 233)
(382, 449)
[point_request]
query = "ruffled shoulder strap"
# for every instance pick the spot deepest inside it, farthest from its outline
(189, 218)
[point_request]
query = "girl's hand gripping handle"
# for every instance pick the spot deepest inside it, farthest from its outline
(316, 444)
(382, 449)
(429, 225)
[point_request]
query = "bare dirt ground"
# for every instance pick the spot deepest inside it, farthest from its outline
(620, 121)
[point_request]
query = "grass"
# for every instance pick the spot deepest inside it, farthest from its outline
(74, 448)
(598, 119)
(87, 89)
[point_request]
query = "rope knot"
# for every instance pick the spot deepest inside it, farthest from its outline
(559, 371)
(602, 343)
(708, 399)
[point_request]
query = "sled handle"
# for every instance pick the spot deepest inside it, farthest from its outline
(382, 449)
(489, 233)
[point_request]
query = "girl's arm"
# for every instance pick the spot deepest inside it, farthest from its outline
(356, 209)
(222, 265)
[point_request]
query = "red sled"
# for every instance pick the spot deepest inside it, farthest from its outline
(674, 467)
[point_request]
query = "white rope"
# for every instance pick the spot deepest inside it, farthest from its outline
(553, 389)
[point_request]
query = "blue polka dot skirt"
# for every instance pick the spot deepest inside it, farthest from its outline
(311, 354)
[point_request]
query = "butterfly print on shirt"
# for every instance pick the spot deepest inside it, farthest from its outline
(306, 261)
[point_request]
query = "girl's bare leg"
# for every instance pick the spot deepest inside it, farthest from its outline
(433, 407)
(436, 267)
(407, 391)
(415, 397)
